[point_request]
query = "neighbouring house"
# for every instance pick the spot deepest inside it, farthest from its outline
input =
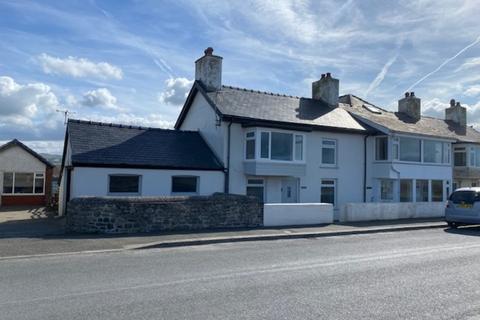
(101, 159)
(25, 176)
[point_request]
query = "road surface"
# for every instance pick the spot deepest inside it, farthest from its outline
(427, 274)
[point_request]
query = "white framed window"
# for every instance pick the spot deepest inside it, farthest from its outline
(23, 183)
(406, 190)
(250, 145)
(381, 148)
(459, 157)
(395, 148)
(256, 188)
(421, 190)
(433, 151)
(447, 150)
(410, 149)
(185, 184)
(124, 184)
(386, 190)
(437, 190)
(275, 145)
(328, 191)
(329, 152)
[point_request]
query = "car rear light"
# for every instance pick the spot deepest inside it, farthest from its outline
(447, 205)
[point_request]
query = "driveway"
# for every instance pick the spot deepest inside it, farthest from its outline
(29, 221)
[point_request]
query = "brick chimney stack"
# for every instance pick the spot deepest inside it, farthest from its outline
(410, 105)
(326, 89)
(208, 70)
(456, 113)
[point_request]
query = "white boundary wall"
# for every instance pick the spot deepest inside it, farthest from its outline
(289, 214)
(391, 211)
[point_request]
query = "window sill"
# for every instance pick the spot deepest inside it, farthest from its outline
(22, 194)
(327, 166)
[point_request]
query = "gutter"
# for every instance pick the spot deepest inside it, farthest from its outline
(227, 169)
(365, 168)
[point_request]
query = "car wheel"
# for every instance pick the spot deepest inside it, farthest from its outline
(452, 225)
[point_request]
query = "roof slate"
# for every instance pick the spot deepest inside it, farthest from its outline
(101, 144)
(258, 105)
(402, 123)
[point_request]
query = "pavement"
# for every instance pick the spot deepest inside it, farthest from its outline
(29, 221)
(417, 274)
(16, 244)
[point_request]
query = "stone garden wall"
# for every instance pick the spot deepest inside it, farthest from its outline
(139, 214)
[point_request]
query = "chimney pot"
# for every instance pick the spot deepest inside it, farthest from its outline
(323, 75)
(407, 94)
(208, 51)
(452, 102)
(329, 75)
(412, 94)
(458, 104)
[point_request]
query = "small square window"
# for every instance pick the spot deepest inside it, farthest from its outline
(124, 184)
(184, 184)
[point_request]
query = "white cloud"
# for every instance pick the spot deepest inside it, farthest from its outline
(470, 63)
(176, 90)
(152, 120)
(25, 100)
(472, 91)
(79, 67)
(100, 97)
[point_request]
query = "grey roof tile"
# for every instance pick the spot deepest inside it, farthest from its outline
(101, 144)
(251, 104)
(402, 123)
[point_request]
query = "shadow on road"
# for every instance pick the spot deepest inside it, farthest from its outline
(466, 231)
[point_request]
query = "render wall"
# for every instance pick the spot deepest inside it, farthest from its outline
(391, 211)
(93, 182)
(132, 215)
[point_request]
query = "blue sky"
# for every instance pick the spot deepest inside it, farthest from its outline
(133, 61)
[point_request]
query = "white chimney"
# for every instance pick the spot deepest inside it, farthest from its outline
(456, 113)
(326, 89)
(208, 70)
(410, 105)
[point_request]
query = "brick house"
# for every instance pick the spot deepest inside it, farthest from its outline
(25, 176)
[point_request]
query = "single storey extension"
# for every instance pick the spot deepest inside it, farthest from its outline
(102, 159)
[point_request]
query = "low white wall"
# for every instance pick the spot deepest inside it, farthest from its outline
(285, 214)
(391, 211)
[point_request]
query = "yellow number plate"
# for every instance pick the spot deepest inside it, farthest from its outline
(464, 205)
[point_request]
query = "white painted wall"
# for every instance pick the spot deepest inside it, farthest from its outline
(94, 181)
(391, 211)
(16, 159)
(289, 214)
(201, 117)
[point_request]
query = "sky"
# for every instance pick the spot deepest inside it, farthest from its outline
(132, 62)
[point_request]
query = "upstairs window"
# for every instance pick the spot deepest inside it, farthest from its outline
(410, 149)
(381, 148)
(432, 151)
(124, 184)
(460, 157)
(282, 146)
(184, 184)
(250, 145)
(329, 152)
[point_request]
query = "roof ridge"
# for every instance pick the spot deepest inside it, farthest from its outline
(125, 126)
(264, 92)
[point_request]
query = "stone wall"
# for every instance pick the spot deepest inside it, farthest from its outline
(135, 214)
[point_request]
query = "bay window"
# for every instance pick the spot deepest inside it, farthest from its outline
(421, 189)
(274, 145)
(410, 149)
(386, 190)
(250, 145)
(23, 183)
(437, 190)
(381, 148)
(460, 157)
(432, 151)
(406, 190)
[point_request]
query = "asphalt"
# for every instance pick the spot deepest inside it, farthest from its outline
(29, 241)
(421, 274)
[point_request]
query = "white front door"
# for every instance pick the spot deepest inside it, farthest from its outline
(289, 190)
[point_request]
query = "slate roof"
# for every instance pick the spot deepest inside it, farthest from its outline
(250, 105)
(401, 123)
(113, 145)
(17, 143)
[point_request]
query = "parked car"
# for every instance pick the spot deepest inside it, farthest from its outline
(463, 207)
